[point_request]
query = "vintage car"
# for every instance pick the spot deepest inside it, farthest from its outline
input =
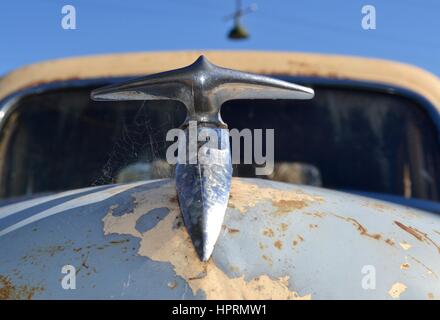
(90, 208)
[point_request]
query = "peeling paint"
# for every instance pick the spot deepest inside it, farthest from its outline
(168, 243)
(248, 256)
(405, 245)
(245, 195)
(287, 206)
(396, 290)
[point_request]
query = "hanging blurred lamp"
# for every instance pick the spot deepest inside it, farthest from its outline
(238, 32)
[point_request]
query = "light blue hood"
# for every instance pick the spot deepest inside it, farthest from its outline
(279, 241)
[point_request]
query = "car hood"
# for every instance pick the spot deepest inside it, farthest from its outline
(279, 241)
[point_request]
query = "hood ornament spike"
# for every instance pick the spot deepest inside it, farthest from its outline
(203, 184)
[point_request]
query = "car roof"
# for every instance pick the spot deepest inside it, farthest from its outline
(385, 72)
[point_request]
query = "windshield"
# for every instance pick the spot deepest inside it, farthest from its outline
(344, 138)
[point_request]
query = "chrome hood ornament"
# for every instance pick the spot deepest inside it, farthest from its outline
(203, 186)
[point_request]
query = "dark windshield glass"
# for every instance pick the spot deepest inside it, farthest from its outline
(343, 139)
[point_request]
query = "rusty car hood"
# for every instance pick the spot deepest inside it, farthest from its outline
(278, 241)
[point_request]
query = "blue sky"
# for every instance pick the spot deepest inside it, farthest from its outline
(407, 30)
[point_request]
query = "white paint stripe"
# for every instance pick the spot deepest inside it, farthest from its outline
(20, 206)
(78, 202)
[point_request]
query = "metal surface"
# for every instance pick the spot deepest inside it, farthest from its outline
(203, 192)
(128, 241)
(203, 87)
(203, 188)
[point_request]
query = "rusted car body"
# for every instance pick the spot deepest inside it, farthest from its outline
(278, 241)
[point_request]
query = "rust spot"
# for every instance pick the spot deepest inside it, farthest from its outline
(419, 235)
(84, 264)
(431, 296)
(32, 256)
(284, 227)
(232, 230)
(278, 244)
(379, 206)
(52, 250)
(262, 246)
(390, 242)
(268, 232)
(428, 270)
(8, 291)
(404, 266)
(313, 226)
(362, 230)
(178, 223)
(119, 241)
(299, 239)
(267, 259)
(415, 233)
(202, 274)
(315, 214)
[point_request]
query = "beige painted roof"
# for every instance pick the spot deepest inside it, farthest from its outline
(316, 65)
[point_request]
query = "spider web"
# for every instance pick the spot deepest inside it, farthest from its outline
(138, 152)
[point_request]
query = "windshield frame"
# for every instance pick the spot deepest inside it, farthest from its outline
(10, 102)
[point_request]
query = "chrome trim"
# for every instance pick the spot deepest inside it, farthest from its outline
(203, 186)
